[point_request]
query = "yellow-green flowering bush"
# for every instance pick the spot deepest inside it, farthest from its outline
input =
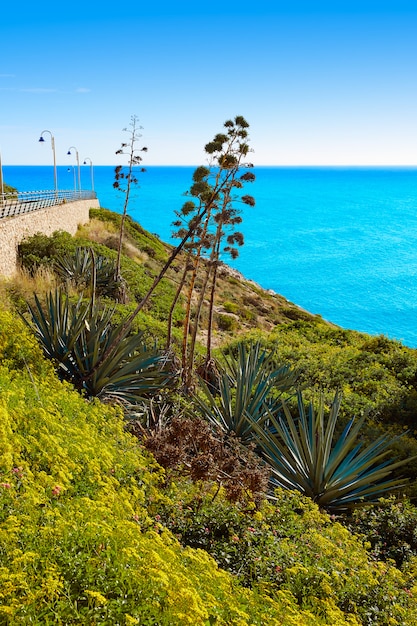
(77, 542)
(290, 545)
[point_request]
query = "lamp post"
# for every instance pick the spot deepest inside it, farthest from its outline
(73, 171)
(78, 164)
(1, 182)
(53, 151)
(91, 171)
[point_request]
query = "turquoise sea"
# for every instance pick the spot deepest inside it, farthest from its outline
(340, 242)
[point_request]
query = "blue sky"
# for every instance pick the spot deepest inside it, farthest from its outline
(329, 83)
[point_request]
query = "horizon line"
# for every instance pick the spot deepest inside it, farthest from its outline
(292, 165)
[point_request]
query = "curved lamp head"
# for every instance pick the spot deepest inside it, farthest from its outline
(41, 138)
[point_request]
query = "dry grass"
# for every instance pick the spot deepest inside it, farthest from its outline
(16, 291)
(97, 230)
(21, 288)
(42, 281)
(129, 249)
(107, 233)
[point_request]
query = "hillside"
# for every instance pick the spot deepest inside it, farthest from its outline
(94, 531)
(246, 304)
(82, 539)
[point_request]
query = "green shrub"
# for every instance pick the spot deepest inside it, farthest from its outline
(19, 349)
(77, 542)
(289, 545)
(230, 307)
(227, 323)
(39, 249)
(389, 527)
(248, 315)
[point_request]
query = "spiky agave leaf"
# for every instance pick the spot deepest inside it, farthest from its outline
(256, 375)
(57, 325)
(132, 371)
(303, 455)
(249, 388)
(75, 267)
(75, 337)
(83, 267)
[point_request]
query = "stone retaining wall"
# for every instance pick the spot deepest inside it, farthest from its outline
(65, 216)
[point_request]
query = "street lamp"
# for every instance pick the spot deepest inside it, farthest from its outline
(53, 151)
(73, 171)
(1, 182)
(91, 171)
(78, 164)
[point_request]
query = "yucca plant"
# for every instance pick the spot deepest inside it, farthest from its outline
(248, 389)
(336, 472)
(75, 337)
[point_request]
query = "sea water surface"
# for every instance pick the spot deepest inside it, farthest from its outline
(339, 242)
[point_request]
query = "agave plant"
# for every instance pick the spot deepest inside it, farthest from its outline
(83, 269)
(248, 390)
(74, 267)
(337, 474)
(76, 336)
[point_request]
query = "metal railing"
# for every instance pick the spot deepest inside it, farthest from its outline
(17, 203)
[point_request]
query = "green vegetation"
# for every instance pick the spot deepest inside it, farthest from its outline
(41, 250)
(91, 532)
(75, 336)
(336, 473)
(216, 479)
(9, 190)
(290, 545)
(246, 391)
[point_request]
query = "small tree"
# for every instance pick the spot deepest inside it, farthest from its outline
(124, 179)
